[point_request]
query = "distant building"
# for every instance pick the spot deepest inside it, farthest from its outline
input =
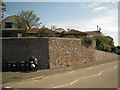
(34, 32)
(92, 33)
(75, 33)
(59, 32)
(13, 26)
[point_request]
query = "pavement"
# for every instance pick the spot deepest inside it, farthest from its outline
(12, 77)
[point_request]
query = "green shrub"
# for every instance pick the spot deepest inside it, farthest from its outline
(103, 39)
(118, 52)
(118, 47)
(104, 47)
(68, 65)
(104, 43)
(70, 36)
(114, 49)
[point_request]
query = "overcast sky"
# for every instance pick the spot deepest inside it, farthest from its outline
(83, 16)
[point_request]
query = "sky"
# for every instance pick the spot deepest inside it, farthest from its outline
(82, 16)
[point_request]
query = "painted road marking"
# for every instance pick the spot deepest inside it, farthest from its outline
(115, 67)
(66, 84)
(46, 77)
(84, 78)
(100, 73)
(38, 77)
(23, 81)
(74, 82)
(7, 87)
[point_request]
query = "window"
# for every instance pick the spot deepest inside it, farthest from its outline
(19, 24)
(19, 35)
(8, 24)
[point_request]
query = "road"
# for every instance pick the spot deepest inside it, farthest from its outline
(99, 76)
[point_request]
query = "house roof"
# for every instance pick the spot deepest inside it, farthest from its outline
(72, 31)
(33, 30)
(36, 30)
(59, 29)
(10, 17)
(14, 16)
(92, 31)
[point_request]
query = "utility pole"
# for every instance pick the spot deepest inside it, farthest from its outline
(97, 27)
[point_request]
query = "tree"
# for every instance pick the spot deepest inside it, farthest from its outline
(31, 19)
(2, 9)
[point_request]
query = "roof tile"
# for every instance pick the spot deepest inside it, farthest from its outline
(33, 30)
(72, 31)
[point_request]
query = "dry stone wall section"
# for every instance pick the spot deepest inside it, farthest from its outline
(64, 52)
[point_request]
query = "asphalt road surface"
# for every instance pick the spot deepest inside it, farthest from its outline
(99, 76)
